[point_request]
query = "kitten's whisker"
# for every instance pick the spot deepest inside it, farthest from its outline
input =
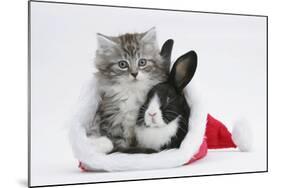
(143, 107)
(140, 120)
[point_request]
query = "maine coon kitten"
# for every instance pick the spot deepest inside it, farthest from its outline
(128, 66)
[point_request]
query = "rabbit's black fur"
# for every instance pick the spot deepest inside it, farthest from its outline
(176, 106)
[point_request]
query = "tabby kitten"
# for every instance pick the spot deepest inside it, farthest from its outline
(128, 66)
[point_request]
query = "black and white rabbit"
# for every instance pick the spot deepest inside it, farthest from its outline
(163, 119)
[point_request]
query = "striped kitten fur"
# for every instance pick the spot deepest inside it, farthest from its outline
(128, 66)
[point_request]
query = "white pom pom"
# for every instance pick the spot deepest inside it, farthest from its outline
(242, 136)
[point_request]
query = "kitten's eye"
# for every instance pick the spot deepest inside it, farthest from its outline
(142, 62)
(123, 64)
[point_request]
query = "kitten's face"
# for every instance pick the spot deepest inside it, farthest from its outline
(130, 58)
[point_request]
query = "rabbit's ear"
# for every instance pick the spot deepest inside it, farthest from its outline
(183, 70)
(166, 50)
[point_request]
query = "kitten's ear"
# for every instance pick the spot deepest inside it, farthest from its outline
(183, 70)
(105, 42)
(149, 36)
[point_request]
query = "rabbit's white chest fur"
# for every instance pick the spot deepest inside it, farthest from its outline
(156, 137)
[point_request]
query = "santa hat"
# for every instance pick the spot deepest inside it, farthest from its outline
(219, 137)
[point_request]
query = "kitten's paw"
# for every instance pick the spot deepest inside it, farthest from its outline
(121, 143)
(103, 144)
(82, 167)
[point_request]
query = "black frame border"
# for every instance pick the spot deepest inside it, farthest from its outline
(131, 7)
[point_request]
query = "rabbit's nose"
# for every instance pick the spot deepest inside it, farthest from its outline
(152, 114)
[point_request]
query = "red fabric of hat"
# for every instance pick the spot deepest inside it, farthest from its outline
(218, 137)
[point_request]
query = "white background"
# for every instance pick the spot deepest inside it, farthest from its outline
(13, 101)
(231, 75)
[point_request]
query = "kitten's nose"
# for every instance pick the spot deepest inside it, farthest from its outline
(152, 114)
(134, 74)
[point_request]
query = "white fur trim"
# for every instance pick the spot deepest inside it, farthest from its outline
(77, 135)
(242, 135)
(85, 151)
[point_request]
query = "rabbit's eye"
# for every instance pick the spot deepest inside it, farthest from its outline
(168, 100)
